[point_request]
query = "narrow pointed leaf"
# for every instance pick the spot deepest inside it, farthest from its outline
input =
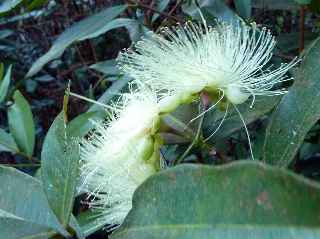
(21, 124)
(7, 142)
(297, 112)
(4, 85)
(88, 28)
(59, 170)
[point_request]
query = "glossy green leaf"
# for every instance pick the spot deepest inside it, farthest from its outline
(21, 124)
(196, 201)
(7, 142)
(297, 112)
(211, 9)
(88, 28)
(4, 84)
(232, 122)
(60, 169)
(244, 7)
(24, 208)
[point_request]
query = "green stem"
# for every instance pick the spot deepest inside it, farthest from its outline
(193, 143)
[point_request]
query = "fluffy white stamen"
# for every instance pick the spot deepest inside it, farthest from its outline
(188, 59)
(121, 154)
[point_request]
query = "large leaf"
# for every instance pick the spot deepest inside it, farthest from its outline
(232, 122)
(297, 112)
(90, 27)
(59, 170)
(21, 124)
(211, 9)
(24, 209)
(238, 200)
(27, 230)
(4, 85)
(7, 142)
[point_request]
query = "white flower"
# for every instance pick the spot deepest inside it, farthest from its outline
(188, 59)
(121, 154)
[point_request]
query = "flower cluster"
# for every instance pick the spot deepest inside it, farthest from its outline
(189, 59)
(121, 154)
(170, 69)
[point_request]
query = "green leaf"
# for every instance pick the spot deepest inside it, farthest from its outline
(4, 34)
(36, 4)
(27, 230)
(4, 85)
(232, 122)
(244, 7)
(60, 169)
(8, 5)
(297, 112)
(211, 9)
(90, 27)
(81, 125)
(179, 120)
(108, 67)
(24, 208)
(110, 93)
(21, 124)
(7, 142)
(239, 200)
